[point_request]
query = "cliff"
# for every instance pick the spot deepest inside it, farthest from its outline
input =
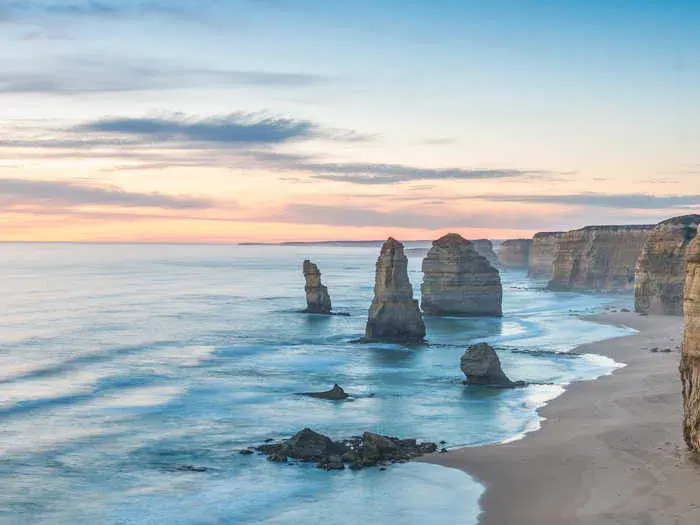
(542, 252)
(690, 356)
(394, 315)
(484, 247)
(598, 258)
(317, 299)
(458, 281)
(658, 283)
(515, 253)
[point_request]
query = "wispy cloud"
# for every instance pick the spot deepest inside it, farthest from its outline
(25, 192)
(638, 201)
(22, 9)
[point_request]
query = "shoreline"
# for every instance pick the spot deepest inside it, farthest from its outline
(607, 451)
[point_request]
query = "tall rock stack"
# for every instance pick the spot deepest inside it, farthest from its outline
(458, 281)
(515, 253)
(658, 283)
(317, 299)
(598, 258)
(394, 315)
(484, 247)
(542, 252)
(690, 357)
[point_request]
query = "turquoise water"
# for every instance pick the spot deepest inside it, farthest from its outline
(130, 375)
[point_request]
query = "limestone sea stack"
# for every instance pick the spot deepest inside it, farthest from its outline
(598, 258)
(394, 315)
(317, 299)
(485, 248)
(458, 281)
(690, 356)
(542, 252)
(658, 283)
(515, 253)
(481, 366)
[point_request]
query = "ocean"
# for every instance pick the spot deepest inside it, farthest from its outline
(131, 376)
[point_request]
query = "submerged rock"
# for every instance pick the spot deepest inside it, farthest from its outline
(317, 299)
(394, 315)
(542, 252)
(481, 366)
(515, 253)
(458, 281)
(658, 286)
(690, 353)
(334, 393)
(367, 450)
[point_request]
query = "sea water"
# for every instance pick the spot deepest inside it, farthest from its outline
(131, 375)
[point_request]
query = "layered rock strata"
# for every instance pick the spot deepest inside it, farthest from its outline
(658, 282)
(481, 366)
(690, 356)
(598, 258)
(515, 253)
(317, 299)
(542, 252)
(458, 281)
(485, 248)
(394, 315)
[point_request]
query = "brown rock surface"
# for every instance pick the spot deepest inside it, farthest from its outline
(317, 299)
(542, 252)
(394, 315)
(690, 356)
(481, 366)
(515, 253)
(458, 281)
(598, 258)
(658, 282)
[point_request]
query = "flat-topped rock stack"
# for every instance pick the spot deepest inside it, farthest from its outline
(484, 247)
(690, 356)
(394, 315)
(515, 253)
(598, 258)
(658, 283)
(542, 252)
(459, 281)
(317, 299)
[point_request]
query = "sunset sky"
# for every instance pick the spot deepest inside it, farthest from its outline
(266, 120)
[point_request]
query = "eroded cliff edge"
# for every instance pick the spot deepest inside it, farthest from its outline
(658, 284)
(515, 253)
(690, 356)
(542, 252)
(598, 258)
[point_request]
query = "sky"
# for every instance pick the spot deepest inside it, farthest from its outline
(273, 120)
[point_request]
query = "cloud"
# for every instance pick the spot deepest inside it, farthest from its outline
(632, 201)
(23, 192)
(23, 9)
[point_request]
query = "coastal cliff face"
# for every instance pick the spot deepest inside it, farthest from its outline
(542, 252)
(658, 283)
(394, 315)
(598, 258)
(317, 299)
(484, 247)
(458, 281)
(690, 356)
(515, 253)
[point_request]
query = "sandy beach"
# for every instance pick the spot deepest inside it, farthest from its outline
(609, 451)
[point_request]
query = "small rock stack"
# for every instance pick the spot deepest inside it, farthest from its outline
(317, 299)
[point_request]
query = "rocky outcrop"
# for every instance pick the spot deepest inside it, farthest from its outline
(690, 356)
(515, 253)
(458, 281)
(598, 258)
(394, 315)
(484, 247)
(658, 281)
(367, 450)
(481, 366)
(317, 299)
(542, 252)
(334, 393)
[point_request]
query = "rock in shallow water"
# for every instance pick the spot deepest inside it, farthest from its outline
(317, 299)
(334, 393)
(481, 366)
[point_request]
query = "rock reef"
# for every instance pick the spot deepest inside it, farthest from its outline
(317, 299)
(658, 283)
(458, 281)
(542, 252)
(484, 247)
(359, 452)
(334, 393)
(515, 253)
(482, 367)
(598, 258)
(690, 353)
(394, 315)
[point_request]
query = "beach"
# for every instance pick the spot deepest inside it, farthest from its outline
(609, 451)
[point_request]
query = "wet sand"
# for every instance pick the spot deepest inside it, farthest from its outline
(609, 451)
